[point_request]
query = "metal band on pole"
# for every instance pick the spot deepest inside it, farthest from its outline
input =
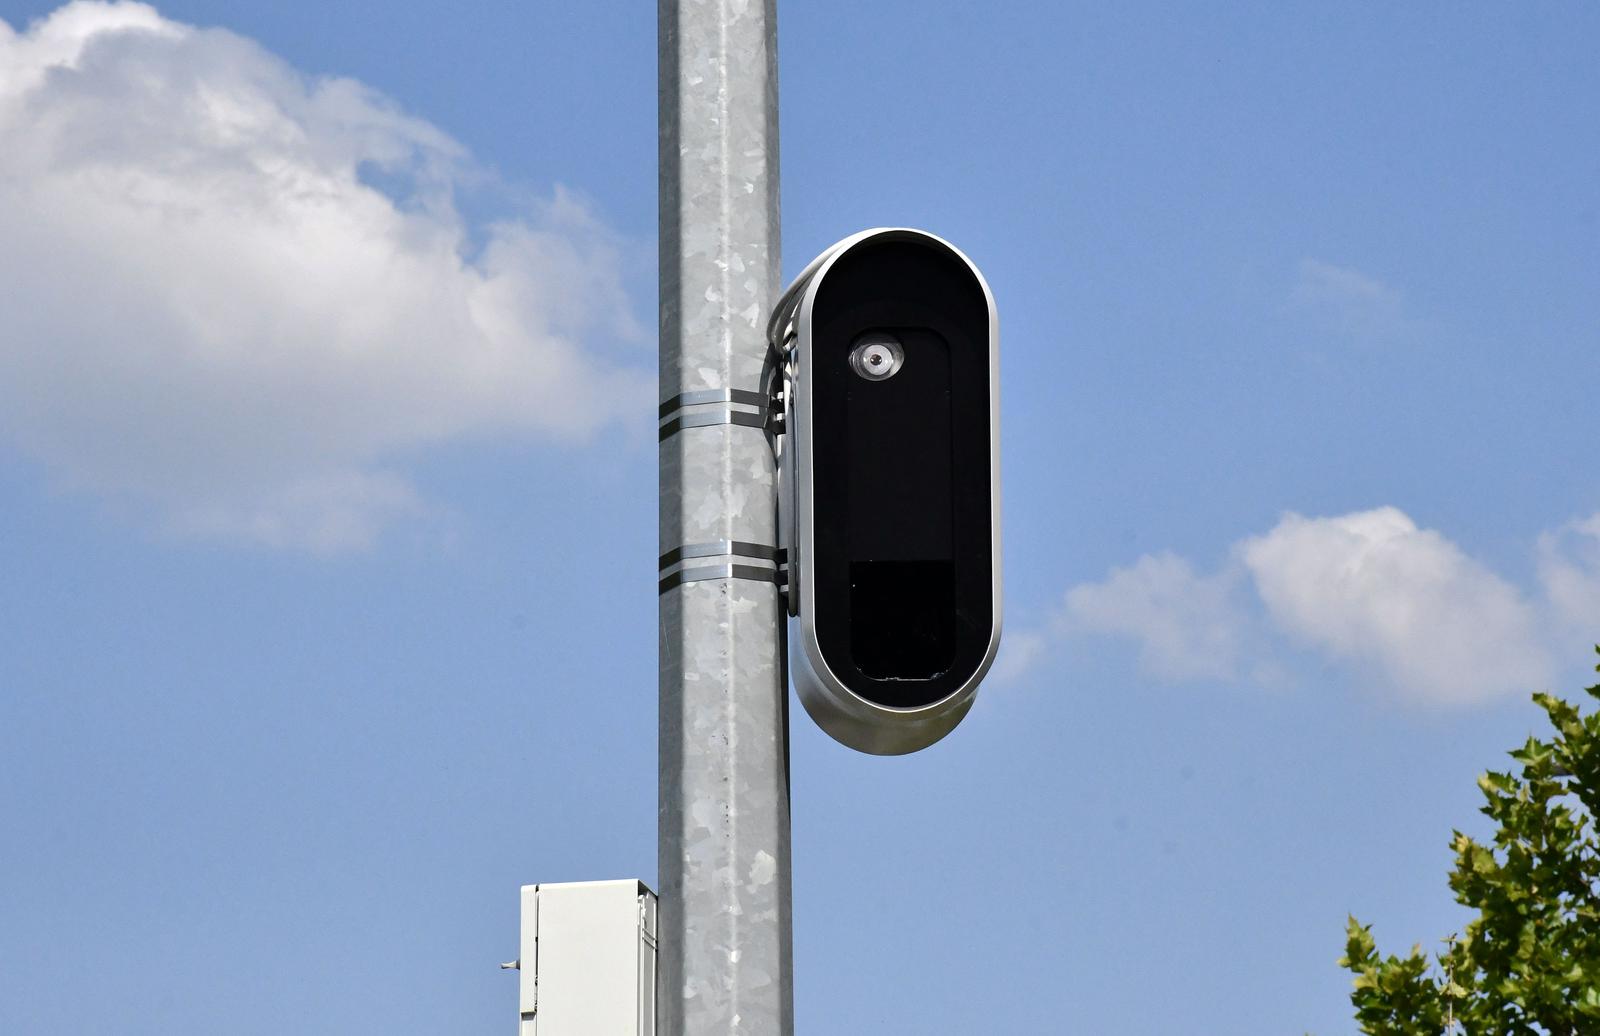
(724, 943)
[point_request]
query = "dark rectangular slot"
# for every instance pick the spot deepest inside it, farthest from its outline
(903, 618)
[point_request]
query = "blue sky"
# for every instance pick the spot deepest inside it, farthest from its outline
(327, 520)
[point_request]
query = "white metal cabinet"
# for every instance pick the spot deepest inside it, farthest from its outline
(588, 959)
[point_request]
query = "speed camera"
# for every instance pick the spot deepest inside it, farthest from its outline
(889, 475)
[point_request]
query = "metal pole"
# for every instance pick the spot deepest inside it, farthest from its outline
(725, 941)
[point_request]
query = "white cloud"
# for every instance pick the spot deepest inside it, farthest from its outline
(1374, 589)
(214, 312)
(1020, 653)
(1569, 569)
(1187, 626)
(1401, 607)
(1351, 303)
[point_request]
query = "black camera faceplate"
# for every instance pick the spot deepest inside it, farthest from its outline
(902, 566)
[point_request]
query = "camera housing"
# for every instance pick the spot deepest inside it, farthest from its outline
(888, 345)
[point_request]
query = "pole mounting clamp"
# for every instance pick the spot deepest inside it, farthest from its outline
(706, 407)
(721, 559)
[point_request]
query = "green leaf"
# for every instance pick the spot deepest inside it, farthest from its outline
(1529, 959)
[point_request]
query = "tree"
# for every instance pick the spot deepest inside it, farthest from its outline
(1529, 962)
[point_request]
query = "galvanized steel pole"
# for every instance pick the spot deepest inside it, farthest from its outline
(725, 943)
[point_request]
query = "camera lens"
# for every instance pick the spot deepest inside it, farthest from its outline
(877, 356)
